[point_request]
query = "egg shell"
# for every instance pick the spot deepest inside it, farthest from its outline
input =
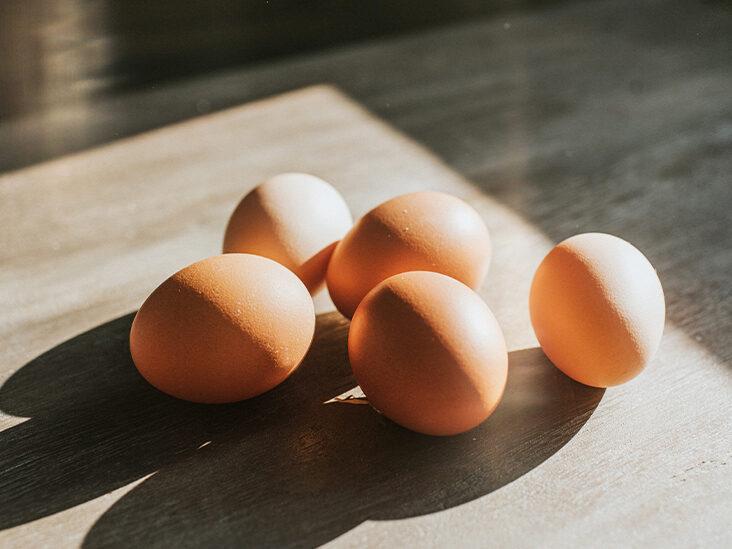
(423, 231)
(223, 329)
(428, 353)
(598, 309)
(295, 219)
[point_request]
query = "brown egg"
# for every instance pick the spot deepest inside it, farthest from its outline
(295, 219)
(428, 353)
(423, 231)
(597, 308)
(224, 329)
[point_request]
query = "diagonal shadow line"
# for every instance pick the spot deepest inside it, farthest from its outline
(280, 469)
(231, 473)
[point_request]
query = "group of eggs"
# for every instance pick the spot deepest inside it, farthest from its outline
(424, 347)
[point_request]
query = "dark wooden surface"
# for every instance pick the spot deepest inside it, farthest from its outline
(280, 470)
(609, 116)
(300, 466)
(609, 107)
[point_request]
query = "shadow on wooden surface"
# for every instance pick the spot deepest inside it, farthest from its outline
(281, 469)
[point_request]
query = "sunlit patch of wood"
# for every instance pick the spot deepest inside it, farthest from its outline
(353, 396)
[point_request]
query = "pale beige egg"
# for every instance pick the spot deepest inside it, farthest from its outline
(295, 219)
(224, 329)
(597, 308)
(428, 353)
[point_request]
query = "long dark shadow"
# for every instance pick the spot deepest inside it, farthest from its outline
(284, 468)
(96, 425)
(289, 470)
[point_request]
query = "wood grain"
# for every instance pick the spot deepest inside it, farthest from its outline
(609, 115)
(92, 455)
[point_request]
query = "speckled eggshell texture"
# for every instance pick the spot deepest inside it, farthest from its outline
(224, 329)
(422, 231)
(598, 309)
(295, 219)
(428, 353)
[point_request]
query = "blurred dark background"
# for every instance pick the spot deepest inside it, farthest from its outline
(56, 55)
(57, 50)
(467, 78)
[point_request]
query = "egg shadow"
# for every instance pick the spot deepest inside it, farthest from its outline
(283, 469)
(95, 425)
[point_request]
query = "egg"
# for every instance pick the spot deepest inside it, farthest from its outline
(223, 329)
(428, 353)
(422, 231)
(295, 219)
(598, 309)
